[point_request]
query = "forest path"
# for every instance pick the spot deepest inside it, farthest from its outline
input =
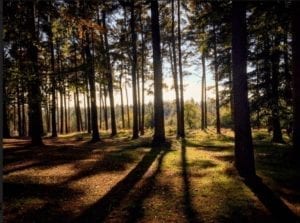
(120, 180)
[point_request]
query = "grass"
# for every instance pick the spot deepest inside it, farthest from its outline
(124, 180)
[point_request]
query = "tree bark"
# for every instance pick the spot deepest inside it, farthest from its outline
(175, 73)
(34, 91)
(91, 80)
(203, 92)
(159, 127)
(244, 157)
(275, 57)
(296, 73)
(182, 129)
(218, 124)
(109, 76)
(135, 130)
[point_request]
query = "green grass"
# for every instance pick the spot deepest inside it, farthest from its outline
(190, 181)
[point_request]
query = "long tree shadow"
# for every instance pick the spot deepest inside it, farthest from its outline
(189, 211)
(100, 210)
(271, 201)
(136, 210)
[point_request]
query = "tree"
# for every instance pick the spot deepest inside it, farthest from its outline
(159, 127)
(244, 157)
(135, 130)
(182, 130)
(296, 73)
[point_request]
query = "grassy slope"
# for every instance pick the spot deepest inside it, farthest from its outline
(120, 180)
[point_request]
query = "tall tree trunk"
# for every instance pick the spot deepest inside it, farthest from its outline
(61, 113)
(296, 74)
(76, 98)
(34, 91)
(122, 102)
(105, 110)
(109, 76)
(88, 105)
(218, 124)
(182, 129)
(275, 57)
(19, 111)
(85, 112)
(135, 130)
(66, 110)
(203, 99)
(100, 105)
(175, 73)
(159, 127)
(6, 130)
(53, 85)
(127, 106)
(244, 157)
(91, 80)
(288, 78)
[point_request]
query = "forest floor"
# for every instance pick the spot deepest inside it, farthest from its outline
(124, 180)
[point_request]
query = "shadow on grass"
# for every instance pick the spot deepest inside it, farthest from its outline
(48, 211)
(189, 211)
(135, 209)
(100, 210)
(271, 201)
(208, 147)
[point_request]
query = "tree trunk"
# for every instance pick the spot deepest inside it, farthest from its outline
(91, 80)
(135, 130)
(53, 85)
(61, 113)
(175, 73)
(275, 57)
(20, 133)
(127, 106)
(182, 129)
(122, 102)
(34, 91)
(109, 76)
(244, 157)
(296, 74)
(203, 99)
(159, 128)
(218, 124)
(105, 110)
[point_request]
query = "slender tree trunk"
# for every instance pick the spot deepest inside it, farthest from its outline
(277, 135)
(34, 91)
(182, 130)
(218, 124)
(53, 85)
(122, 103)
(135, 130)
(19, 111)
(88, 104)
(76, 98)
(244, 157)
(288, 77)
(203, 99)
(100, 105)
(61, 113)
(105, 110)
(6, 130)
(127, 106)
(175, 74)
(91, 80)
(110, 81)
(85, 112)
(66, 111)
(296, 74)
(159, 127)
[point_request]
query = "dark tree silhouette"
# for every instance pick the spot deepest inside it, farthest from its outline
(159, 126)
(244, 158)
